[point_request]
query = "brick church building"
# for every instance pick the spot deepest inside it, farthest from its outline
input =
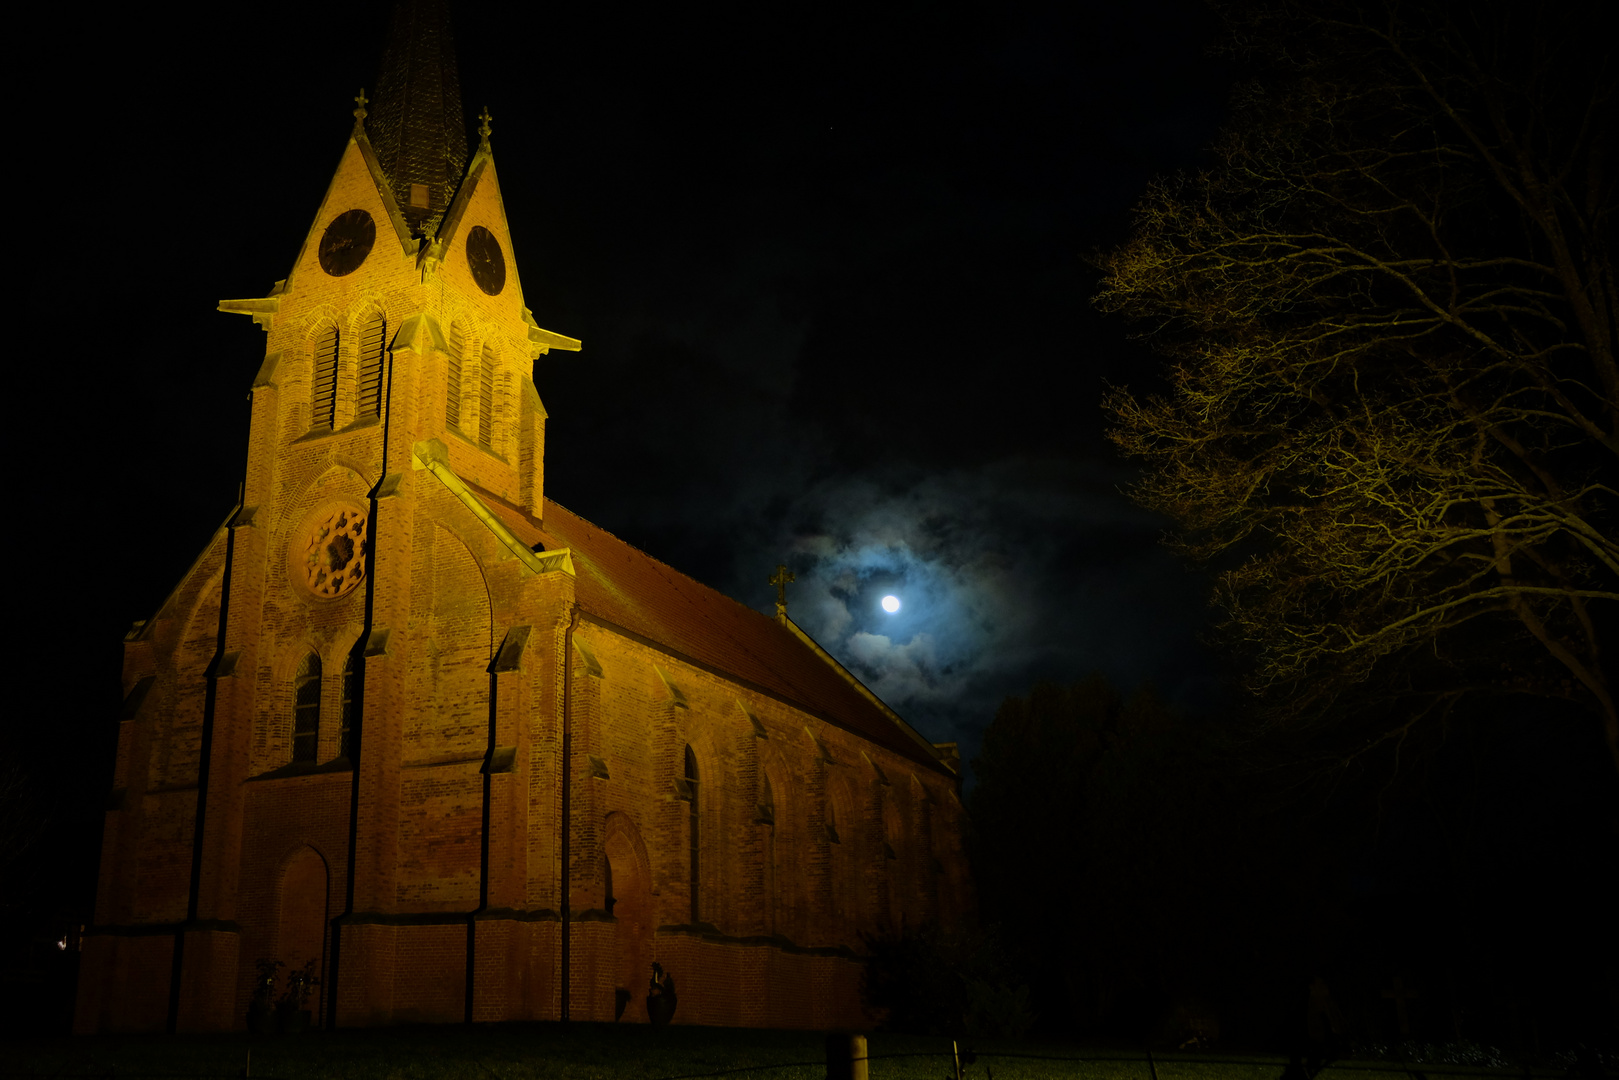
(470, 754)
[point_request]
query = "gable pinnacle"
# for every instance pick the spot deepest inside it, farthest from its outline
(483, 130)
(359, 110)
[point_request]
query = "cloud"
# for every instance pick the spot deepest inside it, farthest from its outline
(1009, 572)
(909, 672)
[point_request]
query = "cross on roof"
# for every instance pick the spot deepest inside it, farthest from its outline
(360, 103)
(483, 125)
(781, 579)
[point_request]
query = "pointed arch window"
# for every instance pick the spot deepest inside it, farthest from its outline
(373, 339)
(452, 391)
(486, 399)
(349, 716)
(325, 379)
(306, 709)
(696, 845)
(767, 803)
(767, 816)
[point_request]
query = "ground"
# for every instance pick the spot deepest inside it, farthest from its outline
(598, 1051)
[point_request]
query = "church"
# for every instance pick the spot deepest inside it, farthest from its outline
(456, 750)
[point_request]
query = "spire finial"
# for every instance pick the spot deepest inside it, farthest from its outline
(483, 130)
(359, 107)
(781, 579)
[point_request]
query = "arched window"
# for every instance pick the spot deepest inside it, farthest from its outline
(486, 399)
(452, 391)
(696, 874)
(306, 709)
(373, 338)
(767, 817)
(325, 379)
(767, 803)
(349, 717)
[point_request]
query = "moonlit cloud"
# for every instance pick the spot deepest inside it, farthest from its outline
(1011, 572)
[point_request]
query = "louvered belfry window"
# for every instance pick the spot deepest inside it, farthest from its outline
(452, 395)
(372, 338)
(306, 709)
(325, 401)
(486, 399)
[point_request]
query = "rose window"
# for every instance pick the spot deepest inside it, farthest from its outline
(334, 552)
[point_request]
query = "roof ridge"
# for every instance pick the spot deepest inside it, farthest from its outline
(743, 645)
(654, 558)
(788, 666)
(539, 524)
(801, 691)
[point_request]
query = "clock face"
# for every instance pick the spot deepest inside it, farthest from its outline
(346, 242)
(487, 262)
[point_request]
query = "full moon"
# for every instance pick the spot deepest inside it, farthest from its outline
(890, 604)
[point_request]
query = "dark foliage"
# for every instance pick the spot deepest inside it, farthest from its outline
(933, 981)
(1156, 880)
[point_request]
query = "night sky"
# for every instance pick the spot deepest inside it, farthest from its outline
(829, 267)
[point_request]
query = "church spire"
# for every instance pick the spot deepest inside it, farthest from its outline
(415, 122)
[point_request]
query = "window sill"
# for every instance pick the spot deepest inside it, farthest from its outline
(315, 434)
(305, 768)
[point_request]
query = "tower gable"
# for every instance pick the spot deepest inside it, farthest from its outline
(358, 184)
(478, 206)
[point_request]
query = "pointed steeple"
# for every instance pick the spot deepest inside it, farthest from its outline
(415, 122)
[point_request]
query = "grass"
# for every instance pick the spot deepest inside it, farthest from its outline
(606, 1052)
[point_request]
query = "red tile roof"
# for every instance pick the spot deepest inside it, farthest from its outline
(625, 587)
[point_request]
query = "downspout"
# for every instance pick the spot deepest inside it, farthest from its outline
(471, 977)
(567, 817)
(357, 703)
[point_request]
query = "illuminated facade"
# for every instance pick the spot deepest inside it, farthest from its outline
(467, 753)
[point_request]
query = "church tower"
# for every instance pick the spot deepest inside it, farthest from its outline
(409, 229)
(413, 731)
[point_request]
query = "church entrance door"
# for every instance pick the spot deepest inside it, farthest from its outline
(301, 937)
(630, 889)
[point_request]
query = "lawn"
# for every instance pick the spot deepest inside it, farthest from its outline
(606, 1052)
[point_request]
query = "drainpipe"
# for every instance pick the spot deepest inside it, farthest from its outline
(567, 815)
(337, 923)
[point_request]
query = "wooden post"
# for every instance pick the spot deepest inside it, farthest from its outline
(845, 1056)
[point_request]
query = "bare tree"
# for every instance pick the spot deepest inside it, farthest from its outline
(1392, 418)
